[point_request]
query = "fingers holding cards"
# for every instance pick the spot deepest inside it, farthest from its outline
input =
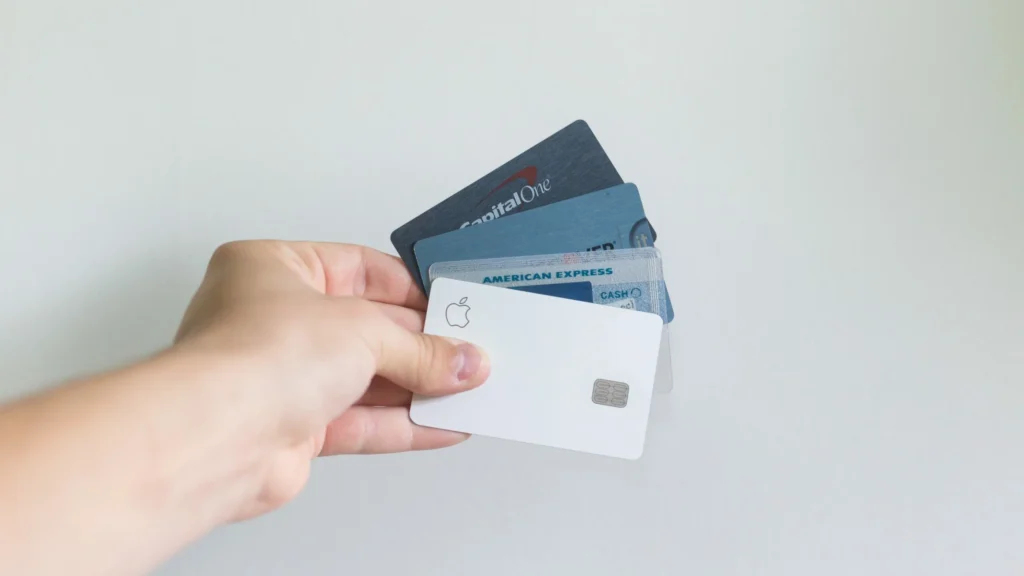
(360, 271)
(382, 430)
(383, 392)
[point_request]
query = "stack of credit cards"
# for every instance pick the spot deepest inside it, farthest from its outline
(556, 220)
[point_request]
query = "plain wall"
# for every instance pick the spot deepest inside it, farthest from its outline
(838, 189)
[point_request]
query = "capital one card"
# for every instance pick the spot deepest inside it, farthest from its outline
(603, 220)
(567, 164)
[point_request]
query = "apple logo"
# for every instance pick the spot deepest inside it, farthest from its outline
(457, 314)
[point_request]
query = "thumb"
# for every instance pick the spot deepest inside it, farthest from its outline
(430, 365)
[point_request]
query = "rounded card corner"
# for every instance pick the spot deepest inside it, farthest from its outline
(634, 456)
(414, 415)
(654, 318)
(580, 122)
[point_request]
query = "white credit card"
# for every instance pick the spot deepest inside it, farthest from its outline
(564, 373)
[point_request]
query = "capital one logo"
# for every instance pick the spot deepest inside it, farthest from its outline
(528, 192)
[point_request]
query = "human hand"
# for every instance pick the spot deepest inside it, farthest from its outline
(321, 349)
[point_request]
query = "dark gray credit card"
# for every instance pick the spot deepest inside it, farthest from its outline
(567, 164)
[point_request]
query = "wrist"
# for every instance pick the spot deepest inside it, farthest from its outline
(217, 462)
(134, 464)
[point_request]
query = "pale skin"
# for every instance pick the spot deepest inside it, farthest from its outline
(287, 352)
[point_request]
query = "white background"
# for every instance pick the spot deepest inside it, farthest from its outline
(838, 189)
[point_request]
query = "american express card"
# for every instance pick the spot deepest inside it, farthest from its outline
(630, 278)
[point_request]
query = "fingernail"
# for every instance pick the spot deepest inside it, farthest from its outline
(467, 362)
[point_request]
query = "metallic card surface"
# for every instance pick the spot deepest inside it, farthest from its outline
(546, 354)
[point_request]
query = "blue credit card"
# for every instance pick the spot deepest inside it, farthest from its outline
(604, 220)
(582, 291)
(565, 165)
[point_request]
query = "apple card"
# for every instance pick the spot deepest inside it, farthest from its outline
(564, 373)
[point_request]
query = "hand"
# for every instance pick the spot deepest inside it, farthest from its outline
(324, 348)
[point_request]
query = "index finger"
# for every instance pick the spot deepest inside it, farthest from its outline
(352, 270)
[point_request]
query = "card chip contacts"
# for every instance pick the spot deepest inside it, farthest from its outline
(609, 393)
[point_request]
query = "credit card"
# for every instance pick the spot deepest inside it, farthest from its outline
(567, 164)
(583, 383)
(582, 291)
(630, 278)
(606, 220)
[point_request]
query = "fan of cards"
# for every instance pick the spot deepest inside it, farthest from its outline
(556, 220)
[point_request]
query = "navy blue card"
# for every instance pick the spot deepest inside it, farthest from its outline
(567, 164)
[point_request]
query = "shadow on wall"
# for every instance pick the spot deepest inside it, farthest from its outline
(127, 316)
